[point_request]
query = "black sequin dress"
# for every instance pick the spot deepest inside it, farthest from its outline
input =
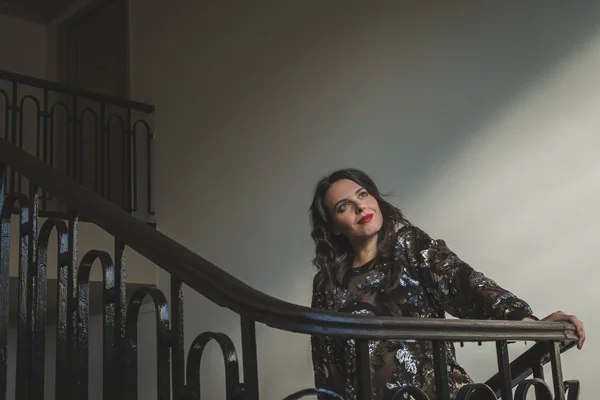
(434, 281)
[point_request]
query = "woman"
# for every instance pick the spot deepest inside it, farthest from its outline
(372, 261)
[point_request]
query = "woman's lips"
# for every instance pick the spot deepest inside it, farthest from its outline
(366, 219)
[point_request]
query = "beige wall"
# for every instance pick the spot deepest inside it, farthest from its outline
(51, 36)
(481, 119)
(22, 47)
(22, 50)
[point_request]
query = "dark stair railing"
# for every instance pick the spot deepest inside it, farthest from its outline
(103, 142)
(177, 379)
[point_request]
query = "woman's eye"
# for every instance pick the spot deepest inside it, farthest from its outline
(342, 207)
(363, 194)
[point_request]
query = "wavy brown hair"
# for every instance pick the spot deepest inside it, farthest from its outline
(334, 253)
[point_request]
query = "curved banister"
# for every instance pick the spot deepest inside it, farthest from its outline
(224, 289)
(74, 91)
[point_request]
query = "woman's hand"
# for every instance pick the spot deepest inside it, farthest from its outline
(561, 316)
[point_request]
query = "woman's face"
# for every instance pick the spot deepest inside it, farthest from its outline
(355, 213)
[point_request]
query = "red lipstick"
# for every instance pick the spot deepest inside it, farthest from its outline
(366, 219)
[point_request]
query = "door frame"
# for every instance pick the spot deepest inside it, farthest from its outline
(86, 11)
(62, 63)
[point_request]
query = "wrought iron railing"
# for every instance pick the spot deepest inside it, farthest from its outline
(177, 379)
(102, 142)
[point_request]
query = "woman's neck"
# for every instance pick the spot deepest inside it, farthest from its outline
(364, 252)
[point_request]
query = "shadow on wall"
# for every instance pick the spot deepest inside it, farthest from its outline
(393, 74)
(394, 90)
(280, 95)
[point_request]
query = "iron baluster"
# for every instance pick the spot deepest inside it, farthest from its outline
(232, 373)
(363, 369)
(72, 295)
(557, 376)
(118, 374)
(5, 224)
(62, 316)
(504, 369)
(249, 358)
(441, 373)
(177, 349)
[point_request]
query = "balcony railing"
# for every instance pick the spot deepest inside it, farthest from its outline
(100, 141)
(179, 379)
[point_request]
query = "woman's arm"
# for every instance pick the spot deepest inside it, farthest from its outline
(327, 353)
(561, 316)
(459, 289)
(466, 293)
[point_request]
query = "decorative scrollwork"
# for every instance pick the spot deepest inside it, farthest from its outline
(541, 389)
(467, 391)
(309, 392)
(161, 310)
(40, 299)
(232, 374)
(572, 390)
(109, 359)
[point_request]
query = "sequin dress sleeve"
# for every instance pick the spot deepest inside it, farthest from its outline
(459, 289)
(327, 353)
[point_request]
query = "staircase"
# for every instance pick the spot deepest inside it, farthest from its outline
(33, 183)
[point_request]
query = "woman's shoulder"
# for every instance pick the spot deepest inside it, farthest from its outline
(410, 233)
(411, 240)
